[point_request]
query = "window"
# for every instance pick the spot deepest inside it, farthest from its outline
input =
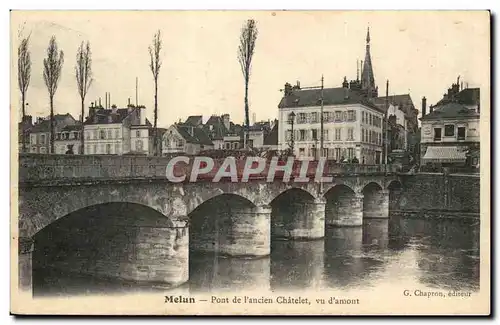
(138, 134)
(117, 148)
(288, 135)
(87, 135)
(180, 143)
(338, 134)
(108, 148)
(94, 149)
(43, 150)
(314, 134)
(302, 151)
(139, 145)
(437, 134)
(351, 116)
(110, 136)
(302, 118)
(86, 149)
(42, 139)
(338, 116)
(95, 134)
(350, 134)
(302, 135)
(337, 153)
(325, 116)
(371, 119)
(449, 130)
(350, 153)
(314, 117)
(325, 135)
(33, 149)
(33, 139)
(461, 133)
(102, 135)
(228, 145)
(117, 133)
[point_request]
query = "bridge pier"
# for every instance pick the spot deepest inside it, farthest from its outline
(249, 233)
(162, 256)
(376, 205)
(234, 231)
(300, 220)
(346, 210)
(25, 263)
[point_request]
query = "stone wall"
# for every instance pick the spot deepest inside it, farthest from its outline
(438, 192)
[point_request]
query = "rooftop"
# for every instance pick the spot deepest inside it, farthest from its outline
(331, 96)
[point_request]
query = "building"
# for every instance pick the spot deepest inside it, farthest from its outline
(271, 139)
(217, 127)
(185, 138)
(68, 139)
(450, 131)
(352, 123)
(40, 132)
(109, 130)
(24, 129)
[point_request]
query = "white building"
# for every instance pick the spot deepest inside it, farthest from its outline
(185, 138)
(108, 131)
(451, 129)
(68, 140)
(352, 126)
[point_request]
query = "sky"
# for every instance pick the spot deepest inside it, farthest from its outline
(420, 53)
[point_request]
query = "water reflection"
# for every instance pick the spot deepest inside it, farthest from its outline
(210, 272)
(423, 253)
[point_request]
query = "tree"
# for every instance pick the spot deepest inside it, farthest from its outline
(83, 73)
(246, 50)
(155, 65)
(23, 78)
(52, 66)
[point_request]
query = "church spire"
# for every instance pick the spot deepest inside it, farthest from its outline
(367, 77)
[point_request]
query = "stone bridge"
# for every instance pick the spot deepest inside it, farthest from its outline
(122, 217)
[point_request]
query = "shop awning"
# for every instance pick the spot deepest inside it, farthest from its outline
(449, 154)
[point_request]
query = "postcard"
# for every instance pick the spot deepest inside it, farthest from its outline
(250, 162)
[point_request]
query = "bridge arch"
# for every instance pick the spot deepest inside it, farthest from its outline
(229, 224)
(121, 240)
(297, 213)
(343, 206)
(375, 201)
(395, 188)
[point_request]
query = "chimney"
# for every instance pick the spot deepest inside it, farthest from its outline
(424, 106)
(225, 120)
(254, 118)
(345, 84)
(114, 110)
(106, 100)
(128, 102)
(431, 109)
(288, 89)
(142, 115)
(100, 102)
(109, 100)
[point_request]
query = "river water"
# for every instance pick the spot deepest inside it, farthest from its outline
(425, 254)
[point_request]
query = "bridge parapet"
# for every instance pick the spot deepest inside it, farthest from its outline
(38, 167)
